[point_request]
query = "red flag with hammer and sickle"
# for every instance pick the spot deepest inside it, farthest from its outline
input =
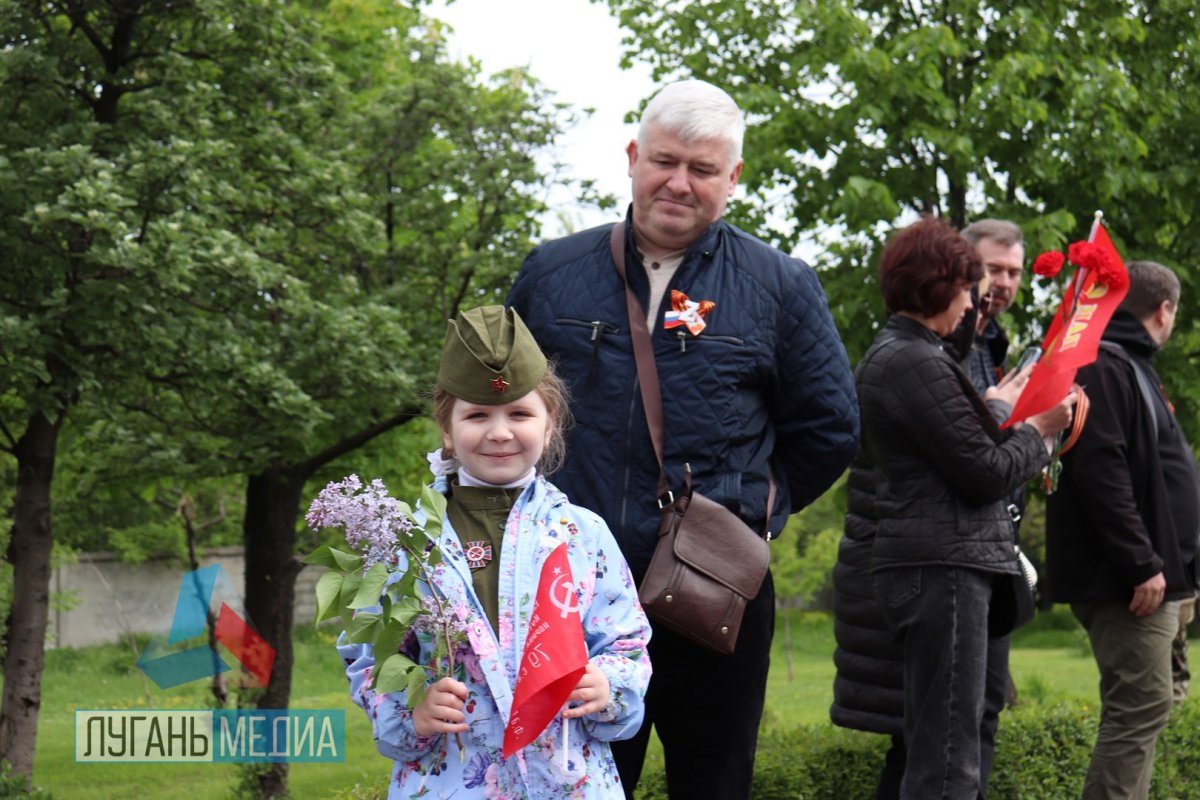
(555, 655)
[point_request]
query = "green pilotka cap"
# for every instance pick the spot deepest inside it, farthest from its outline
(490, 357)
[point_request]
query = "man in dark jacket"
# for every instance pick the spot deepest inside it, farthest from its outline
(1121, 533)
(755, 385)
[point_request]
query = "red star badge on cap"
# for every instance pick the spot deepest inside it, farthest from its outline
(499, 385)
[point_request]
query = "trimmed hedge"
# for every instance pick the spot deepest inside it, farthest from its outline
(1042, 753)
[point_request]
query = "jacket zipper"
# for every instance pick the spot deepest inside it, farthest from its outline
(625, 481)
(598, 327)
(682, 335)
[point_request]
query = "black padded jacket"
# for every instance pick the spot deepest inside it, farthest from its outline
(868, 690)
(946, 469)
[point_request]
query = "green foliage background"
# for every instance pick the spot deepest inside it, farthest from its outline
(864, 114)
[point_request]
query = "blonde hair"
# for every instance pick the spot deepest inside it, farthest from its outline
(554, 394)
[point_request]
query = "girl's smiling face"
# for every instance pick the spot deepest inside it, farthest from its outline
(498, 444)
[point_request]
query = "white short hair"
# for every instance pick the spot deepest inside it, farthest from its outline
(695, 110)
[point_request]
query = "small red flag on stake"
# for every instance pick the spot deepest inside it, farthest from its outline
(555, 655)
(1073, 339)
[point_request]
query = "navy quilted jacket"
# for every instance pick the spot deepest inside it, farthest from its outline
(946, 469)
(767, 380)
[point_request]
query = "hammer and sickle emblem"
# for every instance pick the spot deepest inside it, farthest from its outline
(562, 595)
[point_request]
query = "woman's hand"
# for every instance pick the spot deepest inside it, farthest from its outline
(1010, 386)
(442, 709)
(1055, 419)
(592, 693)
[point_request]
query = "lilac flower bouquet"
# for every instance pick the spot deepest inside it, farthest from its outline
(383, 591)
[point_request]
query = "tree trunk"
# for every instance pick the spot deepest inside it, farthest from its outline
(269, 533)
(29, 554)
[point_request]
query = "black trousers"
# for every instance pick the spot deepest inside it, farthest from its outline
(706, 708)
(995, 699)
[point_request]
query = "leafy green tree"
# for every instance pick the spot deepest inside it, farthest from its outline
(76, 288)
(865, 113)
(247, 228)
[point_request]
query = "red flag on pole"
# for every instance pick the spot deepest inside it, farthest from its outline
(554, 658)
(1073, 339)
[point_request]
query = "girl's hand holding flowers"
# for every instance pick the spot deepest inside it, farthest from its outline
(442, 709)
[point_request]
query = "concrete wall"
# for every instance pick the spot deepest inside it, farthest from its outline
(108, 598)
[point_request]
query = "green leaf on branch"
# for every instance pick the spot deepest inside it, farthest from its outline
(433, 503)
(347, 562)
(322, 557)
(364, 628)
(371, 587)
(329, 592)
(434, 558)
(390, 636)
(393, 674)
(406, 586)
(326, 556)
(417, 687)
(350, 589)
(405, 610)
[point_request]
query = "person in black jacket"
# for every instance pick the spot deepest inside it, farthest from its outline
(944, 542)
(868, 690)
(1121, 532)
(755, 383)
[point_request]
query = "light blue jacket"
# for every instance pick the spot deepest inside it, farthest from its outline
(616, 633)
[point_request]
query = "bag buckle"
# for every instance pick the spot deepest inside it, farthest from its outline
(666, 500)
(1015, 512)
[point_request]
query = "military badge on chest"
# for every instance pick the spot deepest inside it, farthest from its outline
(479, 554)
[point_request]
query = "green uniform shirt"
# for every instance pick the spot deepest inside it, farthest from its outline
(478, 515)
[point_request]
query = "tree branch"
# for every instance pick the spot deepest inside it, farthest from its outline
(78, 18)
(356, 440)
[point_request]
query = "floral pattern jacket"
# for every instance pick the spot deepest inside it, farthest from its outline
(616, 633)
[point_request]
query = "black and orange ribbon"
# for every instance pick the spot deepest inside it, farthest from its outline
(1050, 476)
(1081, 412)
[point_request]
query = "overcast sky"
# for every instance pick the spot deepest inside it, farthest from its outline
(573, 47)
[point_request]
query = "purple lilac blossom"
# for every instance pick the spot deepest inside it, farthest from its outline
(371, 517)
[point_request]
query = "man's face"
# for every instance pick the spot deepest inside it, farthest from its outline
(679, 188)
(1003, 266)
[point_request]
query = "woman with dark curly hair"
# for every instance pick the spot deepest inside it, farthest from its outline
(944, 549)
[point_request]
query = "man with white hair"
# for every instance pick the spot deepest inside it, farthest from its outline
(756, 390)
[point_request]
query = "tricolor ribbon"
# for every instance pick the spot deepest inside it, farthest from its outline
(687, 312)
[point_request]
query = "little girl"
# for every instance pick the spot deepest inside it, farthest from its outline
(501, 411)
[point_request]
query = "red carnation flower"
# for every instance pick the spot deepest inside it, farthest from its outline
(1080, 254)
(1112, 274)
(1097, 259)
(1049, 264)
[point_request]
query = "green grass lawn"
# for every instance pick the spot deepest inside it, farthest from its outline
(1050, 663)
